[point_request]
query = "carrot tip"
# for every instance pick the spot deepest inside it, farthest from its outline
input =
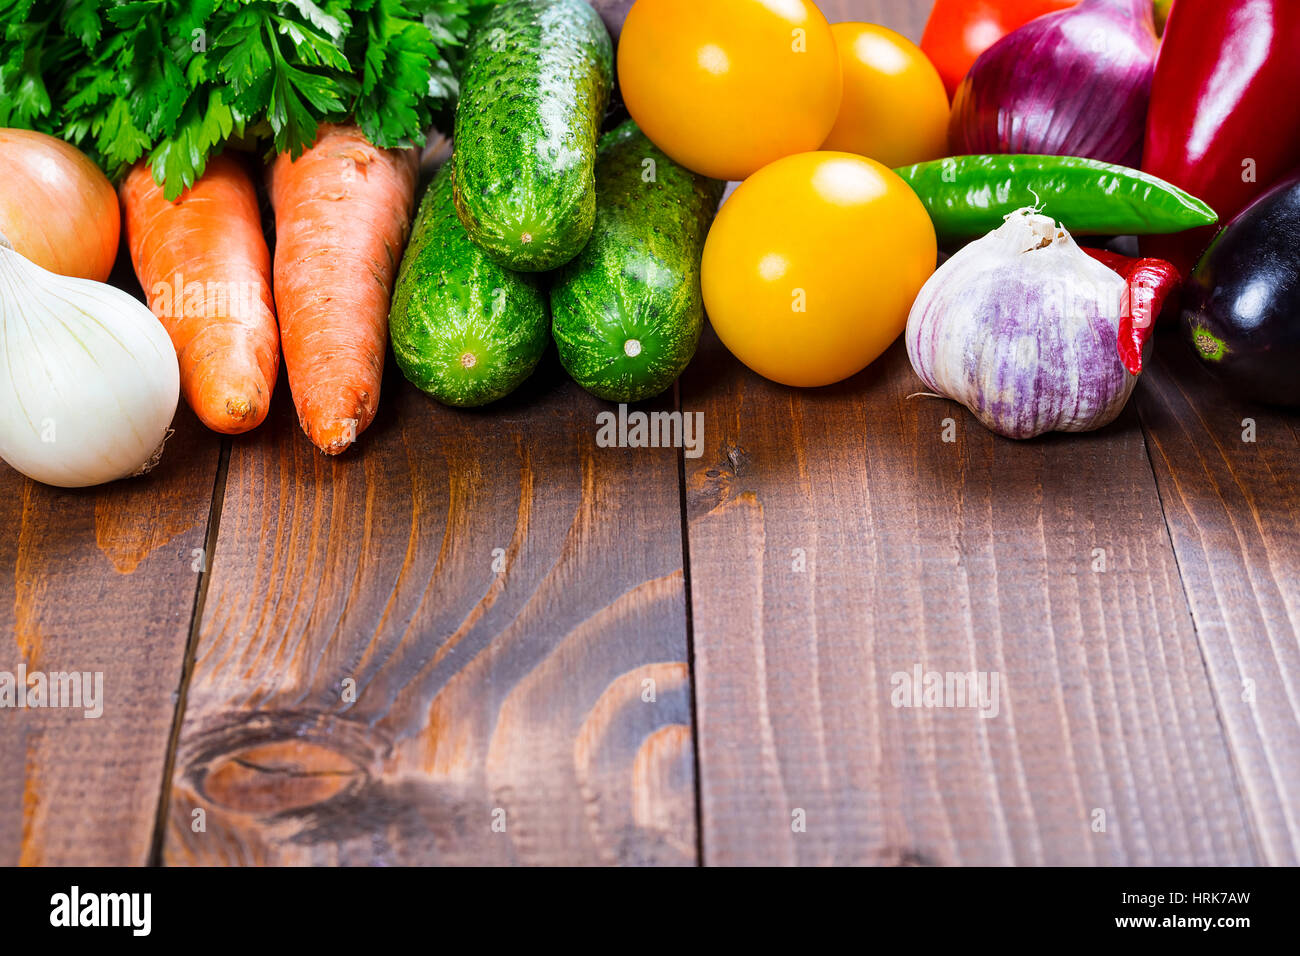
(337, 436)
(234, 417)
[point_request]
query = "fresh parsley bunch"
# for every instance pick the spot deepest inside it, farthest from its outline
(177, 79)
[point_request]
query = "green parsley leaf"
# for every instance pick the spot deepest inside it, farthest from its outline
(174, 80)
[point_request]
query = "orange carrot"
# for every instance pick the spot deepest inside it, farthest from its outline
(206, 271)
(342, 214)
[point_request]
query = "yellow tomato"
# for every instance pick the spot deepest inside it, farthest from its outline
(725, 87)
(812, 265)
(895, 108)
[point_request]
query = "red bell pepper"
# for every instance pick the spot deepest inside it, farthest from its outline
(958, 31)
(1224, 118)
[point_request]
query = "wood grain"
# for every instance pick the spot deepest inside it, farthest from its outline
(98, 580)
(835, 540)
(552, 697)
(1233, 509)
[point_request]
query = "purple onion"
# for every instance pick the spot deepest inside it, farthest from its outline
(1073, 83)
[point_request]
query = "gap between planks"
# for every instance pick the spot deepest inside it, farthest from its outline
(191, 645)
(690, 632)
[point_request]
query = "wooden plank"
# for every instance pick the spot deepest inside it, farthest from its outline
(835, 541)
(98, 581)
(1233, 509)
(552, 697)
(101, 581)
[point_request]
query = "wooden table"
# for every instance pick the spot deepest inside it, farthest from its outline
(482, 638)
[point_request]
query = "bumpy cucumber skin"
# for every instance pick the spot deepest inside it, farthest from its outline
(537, 78)
(639, 276)
(451, 300)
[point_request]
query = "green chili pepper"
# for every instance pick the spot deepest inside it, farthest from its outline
(968, 196)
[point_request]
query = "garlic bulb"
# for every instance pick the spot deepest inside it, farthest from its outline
(1022, 328)
(88, 377)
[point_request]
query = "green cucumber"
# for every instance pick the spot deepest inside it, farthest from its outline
(464, 329)
(628, 310)
(537, 77)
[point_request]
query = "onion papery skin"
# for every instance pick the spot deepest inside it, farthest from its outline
(1025, 338)
(56, 207)
(1074, 83)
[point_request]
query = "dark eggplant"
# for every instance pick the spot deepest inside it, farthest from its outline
(1241, 312)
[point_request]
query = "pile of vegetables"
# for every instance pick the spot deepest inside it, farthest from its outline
(1069, 118)
(552, 222)
(182, 104)
(174, 81)
(1212, 114)
(534, 188)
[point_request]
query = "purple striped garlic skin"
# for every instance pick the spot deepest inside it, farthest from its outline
(1022, 327)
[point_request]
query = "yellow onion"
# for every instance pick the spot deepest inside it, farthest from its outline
(56, 208)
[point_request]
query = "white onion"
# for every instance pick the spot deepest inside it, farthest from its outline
(88, 377)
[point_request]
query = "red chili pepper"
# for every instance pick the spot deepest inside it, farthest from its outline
(1224, 118)
(1150, 282)
(958, 31)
